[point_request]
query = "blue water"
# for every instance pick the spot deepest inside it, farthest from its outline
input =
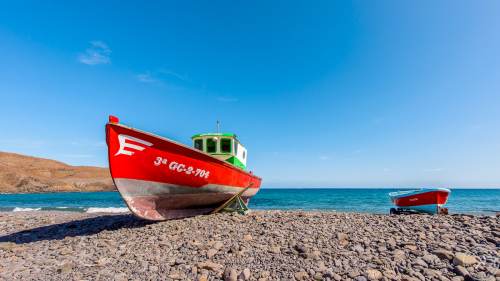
(471, 201)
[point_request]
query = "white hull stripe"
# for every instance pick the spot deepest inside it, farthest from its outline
(429, 208)
(133, 188)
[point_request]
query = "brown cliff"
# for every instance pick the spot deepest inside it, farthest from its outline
(24, 174)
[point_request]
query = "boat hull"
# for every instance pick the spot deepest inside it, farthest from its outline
(423, 200)
(160, 179)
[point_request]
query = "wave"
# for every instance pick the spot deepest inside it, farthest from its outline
(67, 209)
(18, 209)
(107, 210)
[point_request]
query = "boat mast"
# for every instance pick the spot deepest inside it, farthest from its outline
(218, 126)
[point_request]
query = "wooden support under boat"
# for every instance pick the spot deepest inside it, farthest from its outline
(234, 204)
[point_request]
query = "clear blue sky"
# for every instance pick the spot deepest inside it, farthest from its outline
(322, 93)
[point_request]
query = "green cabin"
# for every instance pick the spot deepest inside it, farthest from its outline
(224, 146)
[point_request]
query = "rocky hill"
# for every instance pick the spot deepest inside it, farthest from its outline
(24, 174)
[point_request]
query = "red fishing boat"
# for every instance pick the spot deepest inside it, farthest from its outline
(161, 179)
(425, 200)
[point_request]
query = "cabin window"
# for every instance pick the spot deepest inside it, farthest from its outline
(244, 154)
(225, 145)
(198, 144)
(211, 145)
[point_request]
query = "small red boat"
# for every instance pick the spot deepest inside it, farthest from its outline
(161, 179)
(425, 200)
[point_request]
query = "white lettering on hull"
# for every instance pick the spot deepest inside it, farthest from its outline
(182, 168)
(122, 139)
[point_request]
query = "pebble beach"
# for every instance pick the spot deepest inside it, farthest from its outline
(262, 245)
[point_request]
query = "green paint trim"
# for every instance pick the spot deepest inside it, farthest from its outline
(214, 135)
(236, 162)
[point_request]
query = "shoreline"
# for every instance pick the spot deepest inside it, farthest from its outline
(263, 245)
(124, 210)
(62, 191)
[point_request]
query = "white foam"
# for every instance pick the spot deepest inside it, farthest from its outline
(17, 209)
(107, 210)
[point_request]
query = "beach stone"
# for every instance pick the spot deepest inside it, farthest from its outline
(211, 253)
(210, 266)
(432, 273)
(373, 274)
(318, 276)
(360, 278)
(391, 242)
(65, 251)
(265, 274)
(430, 259)
(301, 248)
(328, 273)
(443, 254)
(102, 262)
(320, 267)
(409, 278)
(493, 271)
(301, 275)
(153, 268)
(411, 247)
(418, 275)
(245, 274)
(218, 245)
(399, 255)
(358, 248)
(353, 273)
(389, 274)
(460, 270)
(342, 236)
(230, 274)
(120, 277)
(275, 249)
(479, 276)
(247, 237)
(65, 268)
(314, 255)
(176, 275)
(464, 259)
(7, 246)
(311, 272)
(420, 262)
(203, 277)
(336, 277)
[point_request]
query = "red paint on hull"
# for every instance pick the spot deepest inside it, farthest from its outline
(424, 198)
(173, 180)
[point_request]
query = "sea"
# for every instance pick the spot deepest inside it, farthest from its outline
(366, 200)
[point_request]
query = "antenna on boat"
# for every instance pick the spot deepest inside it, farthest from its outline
(218, 126)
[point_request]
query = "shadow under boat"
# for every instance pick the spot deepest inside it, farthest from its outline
(94, 225)
(83, 227)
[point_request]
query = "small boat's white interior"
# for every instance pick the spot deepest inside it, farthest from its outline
(224, 146)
